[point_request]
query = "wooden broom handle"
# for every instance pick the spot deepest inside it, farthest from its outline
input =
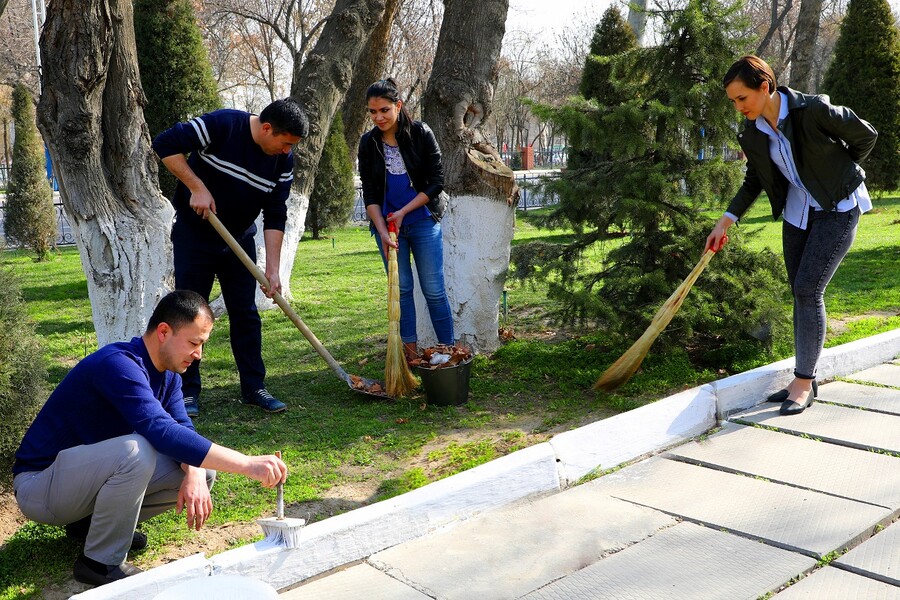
(278, 298)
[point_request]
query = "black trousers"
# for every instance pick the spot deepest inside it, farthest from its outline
(198, 262)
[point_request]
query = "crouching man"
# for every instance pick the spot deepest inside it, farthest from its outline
(113, 445)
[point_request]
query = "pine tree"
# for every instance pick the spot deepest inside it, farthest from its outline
(23, 373)
(612, 36)
(334, 193)
(643, 181)
(30, 215)
(175, 71)
(865, 75)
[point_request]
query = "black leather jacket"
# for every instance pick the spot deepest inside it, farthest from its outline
(827, 143)
(420, 153)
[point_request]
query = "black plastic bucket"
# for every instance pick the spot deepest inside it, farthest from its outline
(446, 386)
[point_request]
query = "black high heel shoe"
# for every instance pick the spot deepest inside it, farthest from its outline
(782, 395)
(790, 407)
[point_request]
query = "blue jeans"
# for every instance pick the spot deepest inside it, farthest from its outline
(811, 257)
(423, 238)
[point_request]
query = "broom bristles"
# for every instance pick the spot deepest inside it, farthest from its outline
(627, 364)
(398, 379)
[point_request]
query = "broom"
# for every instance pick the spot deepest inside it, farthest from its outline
(398, 379)
(622, 370)
(277, 529)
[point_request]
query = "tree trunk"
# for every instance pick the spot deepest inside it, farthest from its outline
(478, 224)
(91, 115)
(805, 45)
(637, 18)
(319, 84)
(370, 68)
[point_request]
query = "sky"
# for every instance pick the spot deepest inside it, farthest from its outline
(544, 16)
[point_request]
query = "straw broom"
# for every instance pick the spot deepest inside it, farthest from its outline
(622, 370)
(398, 379)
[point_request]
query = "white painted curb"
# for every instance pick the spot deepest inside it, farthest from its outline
(148, 584)
(613, 441)
(359, 533)
(540, 469)
(747, 389)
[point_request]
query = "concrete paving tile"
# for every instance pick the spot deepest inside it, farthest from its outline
(359, 581)
(878, 557)
(685, 562)
(829, 583)
(851, 427)
(788, 517)
(782, 457)
(510, 552)
(887, 374)
(865, 396)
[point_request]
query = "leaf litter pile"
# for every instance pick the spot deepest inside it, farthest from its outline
(441, 356)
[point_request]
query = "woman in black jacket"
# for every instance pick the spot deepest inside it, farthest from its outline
(401, 172)
(804, 153)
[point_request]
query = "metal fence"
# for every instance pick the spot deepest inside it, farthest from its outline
(64, 234)
(530, 196)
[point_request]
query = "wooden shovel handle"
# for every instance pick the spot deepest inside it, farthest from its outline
(278, 298)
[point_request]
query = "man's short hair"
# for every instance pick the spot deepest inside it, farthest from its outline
(178, 308)
(286, 116)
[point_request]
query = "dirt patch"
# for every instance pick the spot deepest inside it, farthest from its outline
(840, 326)
(10, 517)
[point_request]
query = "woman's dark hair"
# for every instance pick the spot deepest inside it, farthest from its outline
(179, 308)
(389, 90)
(752, 71)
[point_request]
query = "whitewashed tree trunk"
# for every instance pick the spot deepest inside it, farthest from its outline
(91, 117)
(478, 228)
(637, 18)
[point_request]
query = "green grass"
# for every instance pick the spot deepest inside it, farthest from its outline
(537, 383)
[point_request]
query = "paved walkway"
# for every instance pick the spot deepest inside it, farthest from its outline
(742, 513)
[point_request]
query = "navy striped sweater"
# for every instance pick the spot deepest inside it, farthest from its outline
(242, 179)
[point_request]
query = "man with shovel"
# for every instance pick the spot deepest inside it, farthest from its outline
(240, 164)
(113, 446)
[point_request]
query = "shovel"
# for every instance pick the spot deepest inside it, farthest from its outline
(356, 383)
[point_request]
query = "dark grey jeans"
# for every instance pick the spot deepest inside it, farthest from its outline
(812, 256)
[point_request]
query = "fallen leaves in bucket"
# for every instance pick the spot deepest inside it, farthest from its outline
(440, 356)
(360, 384)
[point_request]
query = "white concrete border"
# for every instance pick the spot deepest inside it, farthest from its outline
(613, 441)
(739, 392)
(150, 583)
(533, 471)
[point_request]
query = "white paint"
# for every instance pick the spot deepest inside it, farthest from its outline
(128, 261)
(146, 585)
(364, 531)
(613, 441)
(297, 206)
(477, 235)
(747, 389)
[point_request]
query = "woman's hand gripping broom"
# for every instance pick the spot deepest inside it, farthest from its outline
(622, 370)
(397, 377)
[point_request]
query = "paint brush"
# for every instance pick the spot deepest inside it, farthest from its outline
(278, 529)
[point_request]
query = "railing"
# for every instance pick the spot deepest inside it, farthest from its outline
(64, 234)
(529, 197)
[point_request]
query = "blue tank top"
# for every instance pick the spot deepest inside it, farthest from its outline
(399, 190)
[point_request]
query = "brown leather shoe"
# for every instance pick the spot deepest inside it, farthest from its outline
(411, 351)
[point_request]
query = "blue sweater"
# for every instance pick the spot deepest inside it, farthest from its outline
(113, 392)
(242, 179)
